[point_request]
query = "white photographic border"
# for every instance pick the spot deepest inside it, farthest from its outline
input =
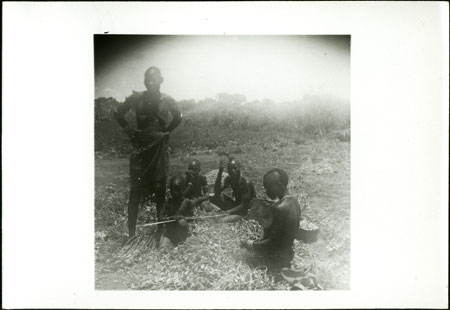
(399, 148)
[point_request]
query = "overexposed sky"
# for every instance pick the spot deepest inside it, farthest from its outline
(280, 68)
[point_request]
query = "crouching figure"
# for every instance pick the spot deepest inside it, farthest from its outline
(275, 249)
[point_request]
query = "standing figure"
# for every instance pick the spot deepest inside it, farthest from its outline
(276, 247)
(149, 160)
(243, 191)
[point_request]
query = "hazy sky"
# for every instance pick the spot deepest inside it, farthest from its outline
(196, 67)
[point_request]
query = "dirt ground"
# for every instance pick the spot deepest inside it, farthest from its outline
(319, 172)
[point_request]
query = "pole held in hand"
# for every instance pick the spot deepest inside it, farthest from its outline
(187, 218)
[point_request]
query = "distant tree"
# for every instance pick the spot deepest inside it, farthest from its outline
(206, 103)
(104, 108)
(187, 105)
(267, 102)
(231, 99)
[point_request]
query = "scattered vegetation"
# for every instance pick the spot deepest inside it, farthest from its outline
(308, 139)
(211, 123)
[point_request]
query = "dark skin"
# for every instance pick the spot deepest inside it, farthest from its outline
(180, 207)
(193, 179)
(240, 186)
(148, 106)
(285, 220)
(147, 117)
(176, 208)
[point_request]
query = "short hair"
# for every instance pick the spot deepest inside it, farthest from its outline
(236, 162)
(178, 177)
(153, 70)
(282, 175)
(193, 163)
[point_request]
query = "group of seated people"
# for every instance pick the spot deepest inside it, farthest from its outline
(189, 191)
(149, 169)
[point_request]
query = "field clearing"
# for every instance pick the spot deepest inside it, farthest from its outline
(319, 172)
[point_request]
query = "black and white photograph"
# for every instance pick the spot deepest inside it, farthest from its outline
(225, 155)
(222, 162)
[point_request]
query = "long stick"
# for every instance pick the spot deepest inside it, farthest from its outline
(156, 223)
(204, 217)
(187, 218)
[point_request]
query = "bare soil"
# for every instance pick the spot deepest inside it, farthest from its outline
(319, 172)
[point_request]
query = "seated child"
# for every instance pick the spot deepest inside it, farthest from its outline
(176, 207)
(276, 247)
(243, 191)
(197, 187)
